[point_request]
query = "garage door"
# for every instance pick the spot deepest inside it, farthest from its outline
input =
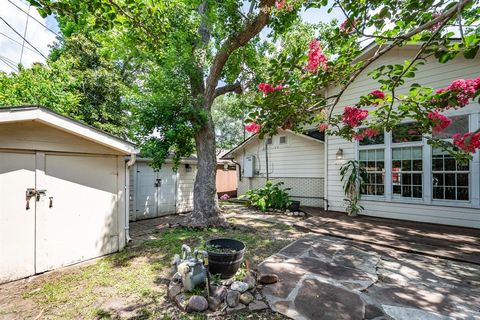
(155, 191)
(17, 221)
(73, 219)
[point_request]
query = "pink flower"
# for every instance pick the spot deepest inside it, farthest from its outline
(279, 4)
(468, 142)
(225, 196)
(316, 57)
(362, 134)
(348, 26)
(267, 88)
(352, 116)
(322, 127)
(440, 122)
(378, 94)
(460, 91)
(253, 127)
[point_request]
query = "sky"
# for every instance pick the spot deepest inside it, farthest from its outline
(40, 38)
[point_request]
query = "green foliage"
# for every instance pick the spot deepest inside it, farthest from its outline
(228, 113)
(351, 175)
(78, 81)
(272, 196)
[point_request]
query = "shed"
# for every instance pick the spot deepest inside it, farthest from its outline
(155, 193)
(62, 192)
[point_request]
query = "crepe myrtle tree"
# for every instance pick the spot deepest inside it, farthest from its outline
(294, 94)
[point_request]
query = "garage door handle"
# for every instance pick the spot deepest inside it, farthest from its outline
(50, 204)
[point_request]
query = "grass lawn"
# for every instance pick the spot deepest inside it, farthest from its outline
(132, 283)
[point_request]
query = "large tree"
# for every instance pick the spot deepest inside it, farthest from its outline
(198, 50)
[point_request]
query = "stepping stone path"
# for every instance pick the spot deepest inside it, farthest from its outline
(323, 277)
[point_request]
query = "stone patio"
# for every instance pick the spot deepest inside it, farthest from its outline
(325, 277)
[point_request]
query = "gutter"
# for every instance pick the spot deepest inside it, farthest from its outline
(129, 163)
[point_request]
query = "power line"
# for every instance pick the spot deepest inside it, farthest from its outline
(8, 64)
(25, 33)
(13, 40)
(35, 19)
(1, 18)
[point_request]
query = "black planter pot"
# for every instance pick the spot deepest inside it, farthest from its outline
(294, 206)
(225, 264)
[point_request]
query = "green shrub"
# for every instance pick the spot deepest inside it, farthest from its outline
(272, 196)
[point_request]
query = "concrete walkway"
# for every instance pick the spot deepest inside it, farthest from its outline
(324, 277)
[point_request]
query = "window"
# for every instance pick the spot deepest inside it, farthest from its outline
(460, 124)
(379, 139)
(283, 139)
(406, 132)
(450, 177)
(372, 163)
(407, 175)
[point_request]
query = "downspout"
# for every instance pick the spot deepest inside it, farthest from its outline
(266, 157)
(239, 169)
(131, 162)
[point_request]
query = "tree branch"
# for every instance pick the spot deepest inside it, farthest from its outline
(235, 87)
(236, 41)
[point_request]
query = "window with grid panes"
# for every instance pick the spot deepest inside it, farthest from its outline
(450, 177)
(407, 172)
(372, 163)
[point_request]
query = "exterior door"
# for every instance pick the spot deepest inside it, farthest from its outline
(155, 191)
(17, 221)
(77, 216)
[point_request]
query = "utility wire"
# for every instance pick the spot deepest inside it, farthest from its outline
(35, 19)
(8, 64)
(1, 18)
(25, 33)
(13, 40)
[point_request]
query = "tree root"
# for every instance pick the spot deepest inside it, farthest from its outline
(199, 220)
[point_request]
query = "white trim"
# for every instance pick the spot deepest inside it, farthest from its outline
(68, 125)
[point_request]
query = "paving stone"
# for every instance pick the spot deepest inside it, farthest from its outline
(329, 270)
(298, 247)
(290, 276)
(373, 311)
(233, 298)
(318, 300)
(239, 308)
(401, 313)
(257, 305)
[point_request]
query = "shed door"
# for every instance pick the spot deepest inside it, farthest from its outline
(80, 222)
(155, 191)
(17, 223)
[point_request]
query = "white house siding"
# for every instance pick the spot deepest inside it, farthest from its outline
(433, 75)
(185, 183)
(299, 163)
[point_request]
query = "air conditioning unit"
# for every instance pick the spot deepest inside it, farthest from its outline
(249, 167)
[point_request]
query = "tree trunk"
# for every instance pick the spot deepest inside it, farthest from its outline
(206, 211)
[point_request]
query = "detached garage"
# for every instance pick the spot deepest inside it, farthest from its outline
(155, 193)
(62, 192)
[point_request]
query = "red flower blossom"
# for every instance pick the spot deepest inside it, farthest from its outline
(353, 116)
(468, 142)
(440, 122)
(322, 127)
(280, 4)
(378, 94)
(316, 57)
(460, 90)
(348, 26)
(268, 88)
(368, 132)
(253, 127)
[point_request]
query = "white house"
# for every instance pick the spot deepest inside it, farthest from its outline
(295, 159)
(62, 192)
(407, 179)
(157, 193)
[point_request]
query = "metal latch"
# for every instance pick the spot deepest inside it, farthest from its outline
(40, 193)
(158, 183)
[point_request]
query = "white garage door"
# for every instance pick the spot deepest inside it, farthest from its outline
(155, 191)
(75, 219)
(17, 221)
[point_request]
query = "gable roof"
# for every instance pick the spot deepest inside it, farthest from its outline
(308, 135)
(74, 127)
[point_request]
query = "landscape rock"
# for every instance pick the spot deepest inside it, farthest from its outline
(239, 286)
(268, 278)
(214, 303)
(197, 304)
(228, 282)
(233, 298)
(180, 301)
(246, 298)
(257, 306)
(173, 290)
(219, 292)
(239, 308)
(250, 280)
